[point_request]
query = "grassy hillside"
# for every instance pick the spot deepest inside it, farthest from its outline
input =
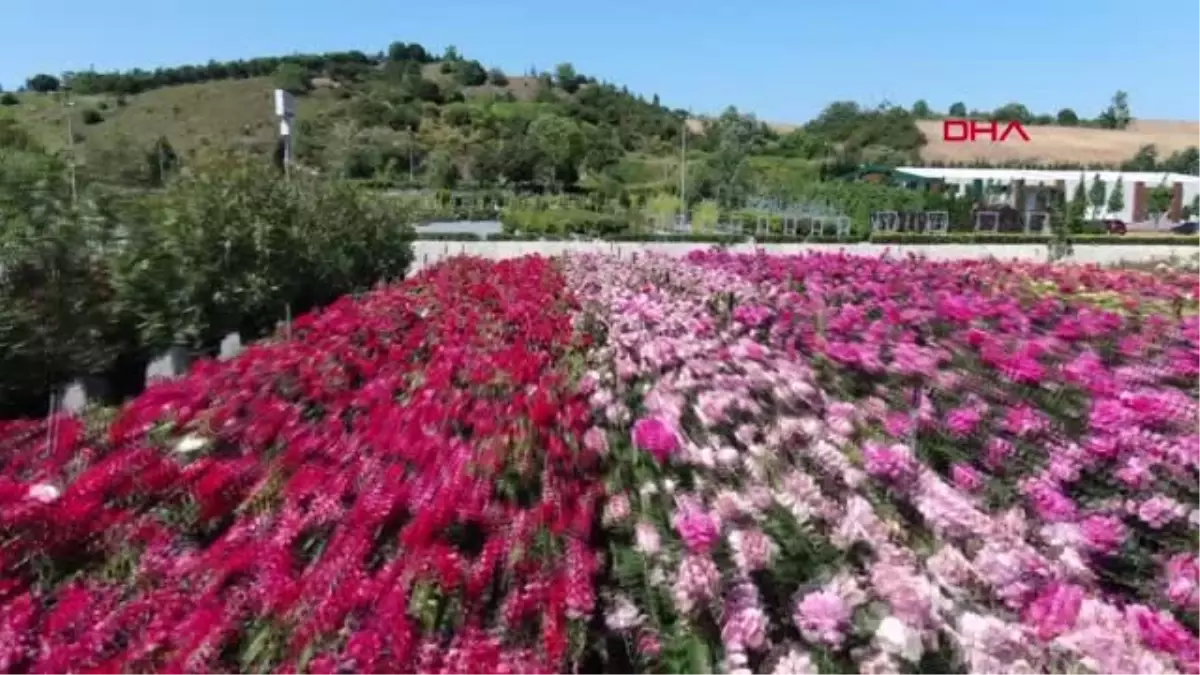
(229, 113)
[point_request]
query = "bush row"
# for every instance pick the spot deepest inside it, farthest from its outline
(90, 287)
(1020, 238)
(877, 238)
(563, 221)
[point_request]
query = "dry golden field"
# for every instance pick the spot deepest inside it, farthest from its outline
(1052, 144)
(1065, 144)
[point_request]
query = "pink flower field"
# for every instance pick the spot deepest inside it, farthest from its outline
(725, 463)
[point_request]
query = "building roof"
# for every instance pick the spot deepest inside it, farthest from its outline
(893, 172)
(1047, 176)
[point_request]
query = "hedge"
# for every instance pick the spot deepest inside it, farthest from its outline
(95, 288)
(878, 238)
(563, 221)
(1020, 238)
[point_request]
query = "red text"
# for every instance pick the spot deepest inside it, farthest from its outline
(968, 131)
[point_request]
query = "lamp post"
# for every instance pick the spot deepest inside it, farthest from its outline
(285, 110)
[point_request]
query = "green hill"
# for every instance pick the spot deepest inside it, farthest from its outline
(443, 120)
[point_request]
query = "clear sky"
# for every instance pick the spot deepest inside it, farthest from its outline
(780, 59)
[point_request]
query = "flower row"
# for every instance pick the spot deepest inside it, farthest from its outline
(402, 486)
(833, 464)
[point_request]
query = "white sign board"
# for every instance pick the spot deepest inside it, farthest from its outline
(285, 104)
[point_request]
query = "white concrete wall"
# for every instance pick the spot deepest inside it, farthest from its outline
(429, 252)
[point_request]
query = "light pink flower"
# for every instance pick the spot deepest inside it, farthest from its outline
(699, 529)
(822, 616)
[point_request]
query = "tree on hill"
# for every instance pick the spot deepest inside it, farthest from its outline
(469, 73)
(567, 79)
(401, 51)
(1013, 111)
(921, 110)
(1117, 114)
(43, 83)
(293, 78)
(1067, 118)
(958, 109)
(1146, 159)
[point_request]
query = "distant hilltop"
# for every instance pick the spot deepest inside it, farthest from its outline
(1056, 144)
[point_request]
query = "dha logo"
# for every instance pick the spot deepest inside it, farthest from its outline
(969, 131)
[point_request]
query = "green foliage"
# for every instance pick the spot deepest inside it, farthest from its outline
(91, 283)
(1117, 115)
(55, 300)
(15, 137)
(43, 83)
(1158, 200)
(1066, 118)
(140, 80)
(706, 215)
(1020, 238)
(562, 222)
(9, 98)
(1076, 210)
(1096, 196)
(856, 128)
(239, 245)
(91, 116)
(1116, 197)
(292, 77)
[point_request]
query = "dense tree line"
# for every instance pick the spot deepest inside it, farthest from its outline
(1116, 116)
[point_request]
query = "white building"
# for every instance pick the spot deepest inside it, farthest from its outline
(1024, 189)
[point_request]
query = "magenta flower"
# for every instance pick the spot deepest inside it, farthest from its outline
(965, 477)
(1103, 534)
(1055, 610)
(699, 530)
(656, 437)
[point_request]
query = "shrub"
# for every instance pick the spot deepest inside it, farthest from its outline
(91, 116)
(240, 245)
(56, 315)
(563, 221)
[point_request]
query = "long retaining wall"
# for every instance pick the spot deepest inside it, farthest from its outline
(429, 252)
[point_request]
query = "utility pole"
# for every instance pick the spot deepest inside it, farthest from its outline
(67, 105)
(683, 173)
(411, 140)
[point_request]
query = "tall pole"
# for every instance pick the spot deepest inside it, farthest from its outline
(67, 105)
(287, 155)
(683, 173)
